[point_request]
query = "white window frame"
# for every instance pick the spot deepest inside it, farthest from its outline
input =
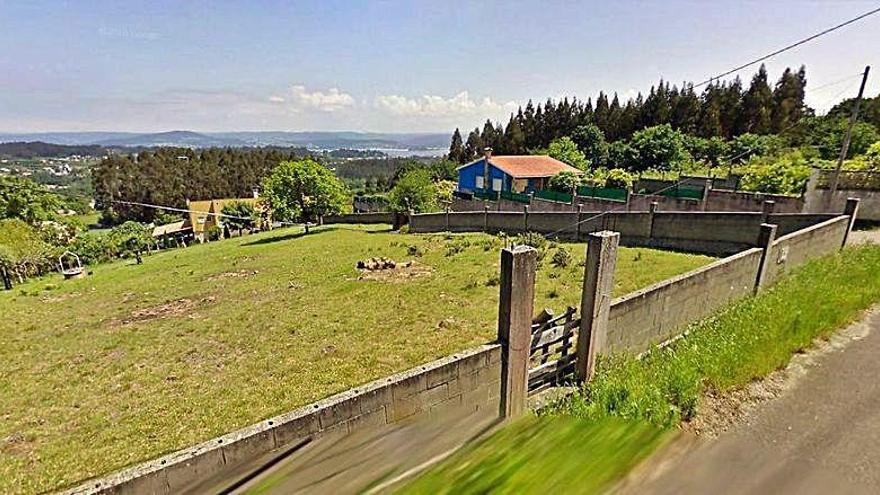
(478, 182)
(497, 184)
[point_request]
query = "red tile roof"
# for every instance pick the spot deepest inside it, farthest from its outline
(529, 166)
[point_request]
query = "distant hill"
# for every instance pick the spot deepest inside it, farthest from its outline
(312, 140)
(187, 139)
(21, 149)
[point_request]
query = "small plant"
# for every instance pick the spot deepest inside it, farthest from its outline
(493, 281)
(457, 246)
(532, 239)
(414, 250)
(404, 229)
(553, 294)
(562, 258)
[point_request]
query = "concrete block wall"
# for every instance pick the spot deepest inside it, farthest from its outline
(821, 200)
(716, 200)
(459, 222)
(661, 311)
(506, 221)
(795, 249)
(720, 200)
(373, 217)
(718, 233)
(791, 222)
(469, 380)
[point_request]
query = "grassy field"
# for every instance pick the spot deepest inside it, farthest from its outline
(545, 455)
(595, 437)
(138, 360)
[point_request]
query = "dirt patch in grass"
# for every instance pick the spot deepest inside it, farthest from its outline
(16, 444)
(59, 297)
(399, 273)
(235, 274)
(171, 309)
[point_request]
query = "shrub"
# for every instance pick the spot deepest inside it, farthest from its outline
(618, 178)
(784, 174)
(213, 233)
(561, 258)
(532, 239)
(414, 250)
(565, 182)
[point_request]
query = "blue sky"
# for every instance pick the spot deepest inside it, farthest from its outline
(386, 65)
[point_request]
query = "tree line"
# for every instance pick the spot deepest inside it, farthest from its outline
(171, 176)
(723, 109)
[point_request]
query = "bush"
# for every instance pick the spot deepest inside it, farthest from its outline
(416, 191)
(565, 182)
(213, 233)
(618, 178)
(784, 174)
(532, 239)
(561, 258)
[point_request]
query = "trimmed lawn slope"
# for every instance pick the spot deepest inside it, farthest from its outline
(138, 360)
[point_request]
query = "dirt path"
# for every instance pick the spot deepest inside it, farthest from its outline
(821, 434)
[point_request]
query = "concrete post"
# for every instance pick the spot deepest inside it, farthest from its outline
(580, 214)
(652, 210)
(767, 210)
(447, 219)
(486, 218)
(706, 188)
(526, 218)
(851, 209)
(629, 193)
(515, 307)
(765, 241)
(596, 300)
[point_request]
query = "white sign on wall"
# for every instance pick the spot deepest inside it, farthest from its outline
(479, 182)
(496, 184)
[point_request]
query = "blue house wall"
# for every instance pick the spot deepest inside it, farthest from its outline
(467, 176)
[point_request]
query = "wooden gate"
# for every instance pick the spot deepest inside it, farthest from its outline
(552, 355)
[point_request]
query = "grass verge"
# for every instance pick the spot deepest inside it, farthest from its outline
(545, 455)
(745, 342)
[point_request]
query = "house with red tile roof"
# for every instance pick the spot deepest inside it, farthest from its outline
(510, 173)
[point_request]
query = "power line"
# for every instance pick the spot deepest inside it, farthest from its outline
(72, 194)
(789, 47)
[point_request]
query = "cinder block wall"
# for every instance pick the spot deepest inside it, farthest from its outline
(793, 250)
(817, 200)
(659, 312)
(469, 380)
(717, 200)
(374, 217)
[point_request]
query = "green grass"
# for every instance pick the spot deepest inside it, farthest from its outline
(94, 376)
(545, 455)
(743, 343)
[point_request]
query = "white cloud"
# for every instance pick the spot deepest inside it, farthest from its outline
(460, 105)
(331, 100)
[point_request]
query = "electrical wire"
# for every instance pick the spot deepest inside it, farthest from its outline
(788, 47)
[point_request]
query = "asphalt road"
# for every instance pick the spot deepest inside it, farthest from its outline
(820, 435)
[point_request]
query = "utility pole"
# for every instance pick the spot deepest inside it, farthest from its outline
(845, 148)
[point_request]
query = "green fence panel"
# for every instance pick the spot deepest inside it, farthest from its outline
(684, 192)
(512, 196)
(554, 196)
(612, 193)
(485, 195)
